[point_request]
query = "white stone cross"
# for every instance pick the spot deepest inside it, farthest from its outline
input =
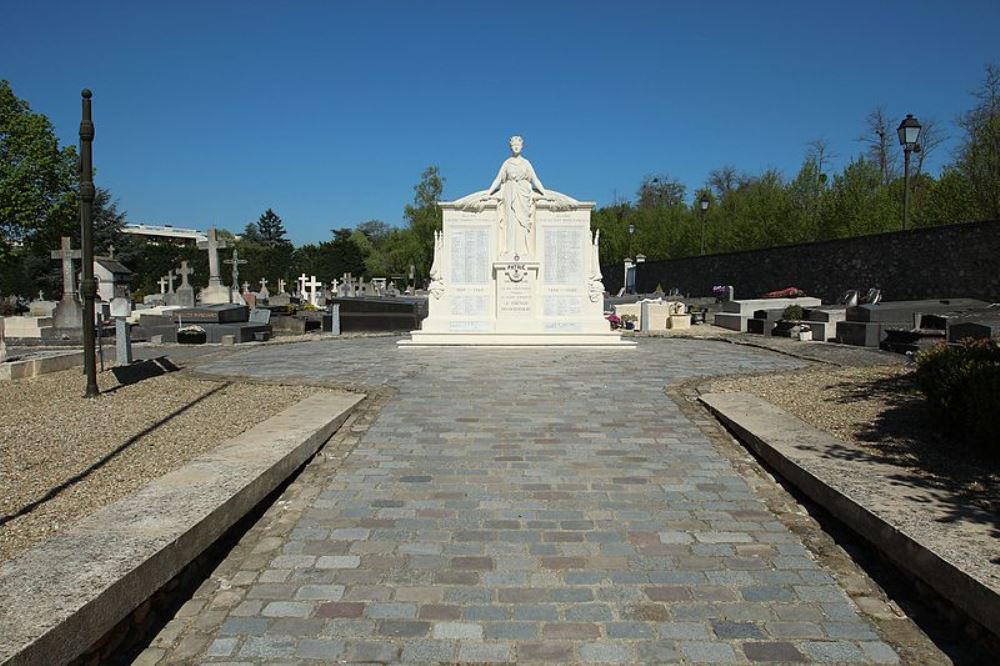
(213, 245)
(170, 278)
(163, 285)
(313, 291)
(67, 254)
(302, 283)
(184, 272)
(281, 285)
(246, 287)
(263, 283)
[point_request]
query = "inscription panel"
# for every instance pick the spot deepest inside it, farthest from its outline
(564, 254)
(515, 299)
(470, 254)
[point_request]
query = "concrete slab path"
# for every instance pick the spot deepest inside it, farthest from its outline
(526, 505)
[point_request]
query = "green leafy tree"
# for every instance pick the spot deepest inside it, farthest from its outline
(423, 219)
(35, 174)
(979, 156)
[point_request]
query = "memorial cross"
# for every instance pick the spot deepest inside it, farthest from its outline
(111, 251)
(184, 272)
(246, 287)
(302, 283)
(67, 254)
(313, 293)
(163, 285)
(236, 262)
(171, 276)
(213, 245)
(281, 285)
(263, 283)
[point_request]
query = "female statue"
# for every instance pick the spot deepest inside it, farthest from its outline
(515, 182)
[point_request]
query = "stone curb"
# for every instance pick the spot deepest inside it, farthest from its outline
(774, 435)
(41, 365)
(60, 597)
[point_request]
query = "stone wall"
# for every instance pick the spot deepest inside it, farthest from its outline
(960, 260)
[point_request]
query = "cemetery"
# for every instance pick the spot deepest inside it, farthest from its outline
(739, 417)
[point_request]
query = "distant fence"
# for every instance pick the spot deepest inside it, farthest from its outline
(935, 262)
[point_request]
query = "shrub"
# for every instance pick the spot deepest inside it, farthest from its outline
(792, 313)
(962, 386)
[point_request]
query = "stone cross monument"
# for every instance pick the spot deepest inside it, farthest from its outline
(236, 262)
(313, 286)
(185, 293)
(215, 292)
(68, 312)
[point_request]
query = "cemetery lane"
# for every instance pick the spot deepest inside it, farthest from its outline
(520, 505)
(63, 456)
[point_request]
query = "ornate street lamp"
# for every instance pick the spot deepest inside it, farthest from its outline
(703, 205)
(88, 285)
(908, 132)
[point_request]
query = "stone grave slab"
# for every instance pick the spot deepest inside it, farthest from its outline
(226, 313)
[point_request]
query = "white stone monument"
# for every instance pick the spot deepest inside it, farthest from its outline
(516, 265)
(216, 292)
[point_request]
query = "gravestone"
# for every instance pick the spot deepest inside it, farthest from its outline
(516, 264)
(3, 342)
(264, 294)
(184, 296)
(121, 308)
(215, 292)
(260, 316)
(68, 313)
(310, 290)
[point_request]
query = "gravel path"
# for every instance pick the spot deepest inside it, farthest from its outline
(63, 456)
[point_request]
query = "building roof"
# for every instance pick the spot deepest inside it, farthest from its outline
(164, 231)
(112, 265)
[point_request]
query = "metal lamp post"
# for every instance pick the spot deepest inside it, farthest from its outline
(703, 205)
(629, 263)
(908, 132)
(88, 285)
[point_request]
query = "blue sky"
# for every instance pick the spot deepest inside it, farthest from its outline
(209, 112)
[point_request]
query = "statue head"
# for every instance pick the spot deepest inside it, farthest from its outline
(516, 144)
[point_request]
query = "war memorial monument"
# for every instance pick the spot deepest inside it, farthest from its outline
(516, 265)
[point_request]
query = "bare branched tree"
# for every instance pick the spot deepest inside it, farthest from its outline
(818, 150)
(880, 139)
(979, 156)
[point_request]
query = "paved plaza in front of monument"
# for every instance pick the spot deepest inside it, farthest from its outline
(521, 505)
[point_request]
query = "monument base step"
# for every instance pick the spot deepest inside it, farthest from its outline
(422, 339)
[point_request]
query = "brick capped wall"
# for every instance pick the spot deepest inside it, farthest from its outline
(960, 260)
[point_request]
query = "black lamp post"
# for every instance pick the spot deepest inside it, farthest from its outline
(703, 205)
(88, 285)
(631, 233)
(908, 132)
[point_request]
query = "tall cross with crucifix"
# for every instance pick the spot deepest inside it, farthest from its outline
(67, 254)
(235, 262)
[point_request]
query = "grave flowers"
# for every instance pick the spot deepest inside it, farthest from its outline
(628, 321)
(615, 320)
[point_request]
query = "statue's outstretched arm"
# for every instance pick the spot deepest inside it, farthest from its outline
(496, 181)
(535, 182)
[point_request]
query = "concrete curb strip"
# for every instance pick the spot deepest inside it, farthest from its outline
(778, 437)
(60, 597)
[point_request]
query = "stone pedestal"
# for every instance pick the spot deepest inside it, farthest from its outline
(68, 313)
(553, 297)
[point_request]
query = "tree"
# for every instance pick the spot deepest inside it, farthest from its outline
(375, 231)
(660, 191)
(35, 174)
(979, 156)
(424, 218)
(880, 139)
(271, 230)
(724, 180)
(251, 233)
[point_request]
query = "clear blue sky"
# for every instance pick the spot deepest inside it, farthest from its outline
(209, 112)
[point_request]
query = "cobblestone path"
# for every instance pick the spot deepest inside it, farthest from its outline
(526, 505)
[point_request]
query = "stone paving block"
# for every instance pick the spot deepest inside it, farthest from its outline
(832, 651)
(458, 630)
(485, 653)
(772, 652)
(428, 652)
(320, 649)
(709, 653)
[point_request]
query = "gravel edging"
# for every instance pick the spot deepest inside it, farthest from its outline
(63, 456)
